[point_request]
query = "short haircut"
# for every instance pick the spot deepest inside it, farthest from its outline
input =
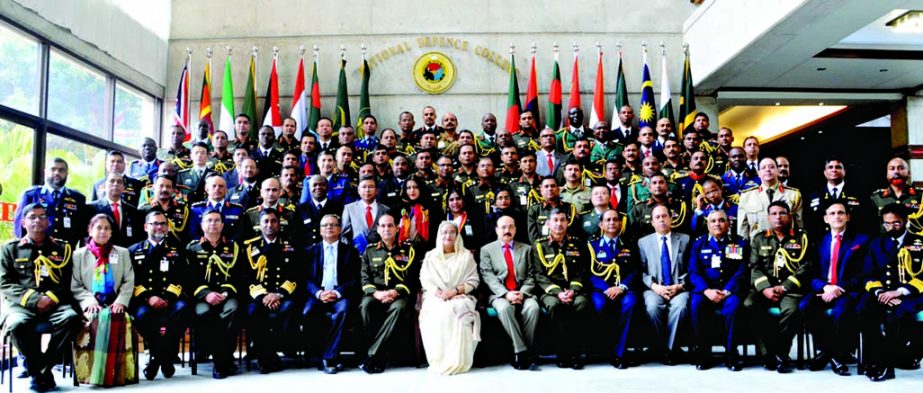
(782, 204)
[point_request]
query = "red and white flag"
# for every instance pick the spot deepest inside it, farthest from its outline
(300, 101)
(272, 115)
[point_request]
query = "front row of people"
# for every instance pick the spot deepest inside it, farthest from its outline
(780, 277)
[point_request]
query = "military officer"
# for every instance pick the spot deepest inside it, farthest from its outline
(538, 213)
(270, 191)
(614, 266)
(559, 262)
(221, 159)
(526, 187)
(216, 280)
(593, 214)
(177, 212)
(115, 163)
(574, 191)
(268, 158)
(780, 258)
(639, 216)
(900, 190)
(35, 280)
(689, 184)
(711, 198)
(158, 300)
(836, 188)
(752, 216)
(176, 153)
(389, 281)
(894, 296)
(717, 269)
(483, 194)
(738, 176)
(216, 189)
(145, 169)
(276, 265)
(65, 207)
(193, 177)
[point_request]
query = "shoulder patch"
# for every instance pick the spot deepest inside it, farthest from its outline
(749, 189)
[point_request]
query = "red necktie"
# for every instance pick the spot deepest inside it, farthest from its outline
(368, 216)
(510, 269)
(116, 215)
(835, 259)
(614, 197)
(307, 168)
(550, 165)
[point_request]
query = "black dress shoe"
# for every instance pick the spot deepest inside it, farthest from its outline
(785, 364)
(734, 363)
(367, 367)
(577, 362)
(49, 380)
(168, 369)
(217, 373)
(24, 373)
(150, 371)
(883, 375)
(703, 365)
(669, 359)
(616, 362)
(563, 361)
(839, 367)
(328, 366)
(910, 364)
(819, 362)
(518, 361)
(771, 363)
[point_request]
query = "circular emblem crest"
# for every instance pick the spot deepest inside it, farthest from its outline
(434, 73)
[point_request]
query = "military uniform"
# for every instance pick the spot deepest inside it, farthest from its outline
(268, 164)
(525, 143)
(525, 192)
(614, 263)
(699, 224)
(717, 160)
(160, 270)
(180, 157)
(250, 222)
(911, 198)
(219, 269)
(506, 176)
(245, 195)
(27, 272)
(670, 170)
(639, 217)
(718, 264)
(752, 217)
(65, 208)
(131, 194)
(385, 269)
(639, 193)
(468, 179)
(177, 216)
(893, 267)
(143, 171)
(276, 267)
(221, 163)
(538, 214)
(194, 181)
(689, 185)
(606, 151)
(735, 183)
(233, 214)
(481, 197)
(560, 266)
(579, 197)
(775, 262)
(859, 216)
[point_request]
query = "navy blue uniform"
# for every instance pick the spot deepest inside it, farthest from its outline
(66, 210)
(233, 213)
(614, 262)
(734, 184)
(700, 222)
(722, 265)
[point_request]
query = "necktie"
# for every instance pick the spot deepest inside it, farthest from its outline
(510, 269)
(666, 270)
(368, 216)
(329, 260)
(739, 176)
(116, 215)
(55, 195)
(835, 259)
(614, 197)
(550, 164)
(752, 167)
(835, 193)
(610, 248)
(770, 193)
(647, 153)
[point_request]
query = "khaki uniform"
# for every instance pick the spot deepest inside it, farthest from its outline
(752, 217)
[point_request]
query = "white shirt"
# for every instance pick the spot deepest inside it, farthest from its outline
(319, 204)
(365, 206)
(839, 189)
(669, 245)
(512, 244)
(329, 281)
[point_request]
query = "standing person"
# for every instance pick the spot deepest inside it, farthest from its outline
(449, 323)
(103, 283)
(65, 206)
(31, 299)
(417, 224)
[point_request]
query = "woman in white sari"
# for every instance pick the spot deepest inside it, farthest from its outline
(449, 323)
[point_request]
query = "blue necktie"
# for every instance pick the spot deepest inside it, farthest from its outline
(665, 268)
(611, 248)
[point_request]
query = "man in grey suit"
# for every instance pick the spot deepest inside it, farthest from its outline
(547, 159)
(663, 267)
(359, 217)
(511, 294)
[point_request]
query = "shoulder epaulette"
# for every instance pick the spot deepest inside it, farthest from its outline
(749, 189)
(541, 239)
(234, 204)
(197, 204)
(252, 240)
(255, 208)
(289, 207)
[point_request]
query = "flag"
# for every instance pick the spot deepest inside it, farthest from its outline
(666, 101)
(532, 93)
(513, 105)
(205, 103)
(314, 113)
(575, 84)
(181, 110)
(226, 122)
(687, 109)
(272, 116)
(299, 102)
(553, 111)
(341, 118)
(250, 98)
(621, 95)
(647, 117)
(365, 108)
(599, 95)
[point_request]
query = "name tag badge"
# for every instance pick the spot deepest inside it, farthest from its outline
(164, 265)
(544, 231)
(780, 261)
(67, 222)
(602, 254)
(715, 261)
(114, 258)
(523, 200)
(256, 251)
(128, 231)
(307, 221)
(469, 231)
(44, 271)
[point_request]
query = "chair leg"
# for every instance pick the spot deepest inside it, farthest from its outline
(74, 364)
(801, 349)
(193, 362)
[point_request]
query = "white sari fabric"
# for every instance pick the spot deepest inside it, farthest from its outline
(450, 329)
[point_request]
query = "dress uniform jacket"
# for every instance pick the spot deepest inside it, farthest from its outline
(29, 271)
(216, 269)
(752, 217)
(66, 213)
(159, 270)
(559, 266)
(785, 262)
(384, 269)
(276, 267)
(233, 215)
(538, 214)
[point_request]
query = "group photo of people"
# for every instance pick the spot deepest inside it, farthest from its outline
(426, 245)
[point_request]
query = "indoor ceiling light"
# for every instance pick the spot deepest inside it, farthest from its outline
(908, 22)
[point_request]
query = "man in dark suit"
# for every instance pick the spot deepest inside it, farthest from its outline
(115, 163)
(268, 158)
(333, 271)
(247, 193)
(511, 295)
(128, 227)
(664, 256)
(894, 298)
(836, 286)
(624, 132)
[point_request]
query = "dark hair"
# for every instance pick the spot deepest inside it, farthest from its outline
(244, 115)
(834, 158)
(713, 180)
(782, 204)
(701, 114)
(559, 210)
(200, 144)
(97, 218)
(896, 209)
(221, 131)
(839, 201)
(153, 213)
(115, 153)
(273, 212)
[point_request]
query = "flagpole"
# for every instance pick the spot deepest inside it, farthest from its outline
(557, 50)
(343, 52)
(256, 61)
(208, 55)
(186, 88)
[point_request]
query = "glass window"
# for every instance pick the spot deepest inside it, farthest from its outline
(19, 70)
(77, 96)
(134, 116)
(86, 164)
(15, 171)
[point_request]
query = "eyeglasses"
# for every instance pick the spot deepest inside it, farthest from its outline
(158, 223)
(329, 225)
(896, 224)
